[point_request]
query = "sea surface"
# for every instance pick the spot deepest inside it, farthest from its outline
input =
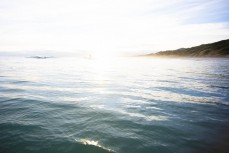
(125, 105)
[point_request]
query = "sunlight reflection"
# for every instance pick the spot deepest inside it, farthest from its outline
(100, 67)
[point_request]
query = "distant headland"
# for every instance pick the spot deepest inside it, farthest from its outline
(41, 57)
(217, 49)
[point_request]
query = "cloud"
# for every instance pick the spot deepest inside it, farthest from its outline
(111, 26)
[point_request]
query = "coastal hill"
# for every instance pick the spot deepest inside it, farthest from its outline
(217, 49)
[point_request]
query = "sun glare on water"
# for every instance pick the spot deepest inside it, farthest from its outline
(101, 61)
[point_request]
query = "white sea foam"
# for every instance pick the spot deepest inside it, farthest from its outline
(94, 143)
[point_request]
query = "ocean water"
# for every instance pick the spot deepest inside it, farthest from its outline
(126, 105)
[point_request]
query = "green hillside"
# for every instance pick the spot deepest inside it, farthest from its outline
(217, 49)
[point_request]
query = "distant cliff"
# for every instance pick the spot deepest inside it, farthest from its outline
(217, 49)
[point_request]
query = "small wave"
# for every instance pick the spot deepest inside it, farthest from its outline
(94, 143)
(152, 107)
(214, 103)
(134, 101)
(74, 99)
(221, 87)
(147, 118)
(168, 81)
(12, 90)
(18, 82)
(9, 99)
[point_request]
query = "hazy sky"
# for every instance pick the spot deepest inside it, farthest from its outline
(135, 26)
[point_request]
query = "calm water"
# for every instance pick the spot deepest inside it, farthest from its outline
(71, 105)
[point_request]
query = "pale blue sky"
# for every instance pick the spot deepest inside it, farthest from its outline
(111, 26)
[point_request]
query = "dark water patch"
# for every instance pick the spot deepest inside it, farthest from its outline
(19, 128)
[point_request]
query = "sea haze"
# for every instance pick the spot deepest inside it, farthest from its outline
(124, 105)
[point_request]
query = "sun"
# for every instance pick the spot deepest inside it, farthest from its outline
(102, 55)
(101, 60)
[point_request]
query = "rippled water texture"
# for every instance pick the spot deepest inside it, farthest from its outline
(129, 105)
